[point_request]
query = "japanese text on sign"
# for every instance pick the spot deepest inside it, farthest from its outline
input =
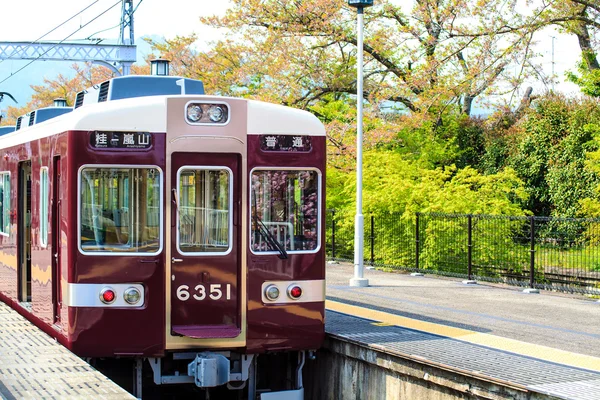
(121, 140)
(285, 143)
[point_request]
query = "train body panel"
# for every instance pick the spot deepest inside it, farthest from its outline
(143, 228)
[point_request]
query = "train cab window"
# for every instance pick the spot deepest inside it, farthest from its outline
(5, 203)
(285, 210)
(44, 206)
(120, 210)
(204, 210)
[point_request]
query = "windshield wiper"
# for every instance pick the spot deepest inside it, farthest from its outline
(269, 238)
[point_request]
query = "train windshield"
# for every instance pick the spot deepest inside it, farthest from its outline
(285, 203)
(204, 208)
(120, 210)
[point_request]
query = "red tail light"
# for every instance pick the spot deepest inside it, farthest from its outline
(295, 292)
(107, 295)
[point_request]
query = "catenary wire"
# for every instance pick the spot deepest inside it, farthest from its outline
(112, 27)
(44, 53)
(50, 31)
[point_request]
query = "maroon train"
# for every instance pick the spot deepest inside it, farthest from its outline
(155, 223)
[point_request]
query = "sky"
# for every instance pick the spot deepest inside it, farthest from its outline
(166, 19)
(35, 18)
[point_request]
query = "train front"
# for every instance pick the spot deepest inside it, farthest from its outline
(202, 232)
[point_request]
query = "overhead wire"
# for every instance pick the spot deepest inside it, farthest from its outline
(45, 52)
(50, 31)
(112, 27)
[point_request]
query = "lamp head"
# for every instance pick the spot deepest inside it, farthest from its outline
(360, 3)
(159, 66)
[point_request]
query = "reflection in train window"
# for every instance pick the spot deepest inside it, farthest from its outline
(285, 210)
(204, 209)
(120, 210)
(5, 203)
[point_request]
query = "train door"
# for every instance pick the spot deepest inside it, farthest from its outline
(24, 231)
(205, 245)
(56, 241)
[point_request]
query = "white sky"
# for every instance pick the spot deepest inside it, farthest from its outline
(27, 20)
(168, 18)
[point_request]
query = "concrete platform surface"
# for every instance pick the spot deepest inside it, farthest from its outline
(485, 313)
(546, 344)
(35, 366)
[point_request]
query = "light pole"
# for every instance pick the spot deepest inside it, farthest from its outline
(359, 221)
(553, 37)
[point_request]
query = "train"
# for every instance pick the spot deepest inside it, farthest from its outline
(179, 230)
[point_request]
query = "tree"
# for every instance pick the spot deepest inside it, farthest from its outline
(86, 75)
(582, 19)
(297, 52)
(547, 148)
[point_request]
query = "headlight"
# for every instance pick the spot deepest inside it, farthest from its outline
(197, 113)
(215, 113)
(272, 292)
(132, 295)
(194, 112)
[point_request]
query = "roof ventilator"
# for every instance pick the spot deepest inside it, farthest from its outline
(79, 99)
(31, 118)
(103, 93)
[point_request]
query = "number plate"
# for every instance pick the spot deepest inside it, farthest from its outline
(200, 292)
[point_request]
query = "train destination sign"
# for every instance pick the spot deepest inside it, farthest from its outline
(285, 143)
(121, 140)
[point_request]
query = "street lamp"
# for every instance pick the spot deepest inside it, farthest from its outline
(359, 221)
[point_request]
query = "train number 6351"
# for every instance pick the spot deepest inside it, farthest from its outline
(215, 292)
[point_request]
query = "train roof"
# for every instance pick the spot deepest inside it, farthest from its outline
(6, 129)
(40, 115)
(149, 115)
(126, 87)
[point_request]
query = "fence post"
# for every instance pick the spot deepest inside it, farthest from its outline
(532, 253)
(470, 246)
(372, 240)
(417, 241)
(333, 234)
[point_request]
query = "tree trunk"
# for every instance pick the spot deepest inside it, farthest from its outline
(467, 104)
(585, 43)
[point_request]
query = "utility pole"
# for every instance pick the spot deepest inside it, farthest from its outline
(553, 37)
(359, 233)
(127, 22)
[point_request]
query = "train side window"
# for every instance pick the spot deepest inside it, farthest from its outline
(205, 210)
(5, 203)
(120, 210)
(44, 206)
(285, 210)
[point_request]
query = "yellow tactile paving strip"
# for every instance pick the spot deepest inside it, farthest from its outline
(483, 339)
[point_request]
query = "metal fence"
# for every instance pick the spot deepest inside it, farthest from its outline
(540, 252)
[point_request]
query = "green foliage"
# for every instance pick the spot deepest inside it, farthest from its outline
(467, 134)
(393, 184)
(395, 189)
(547, 150)
(590, 204)
(587, 79)
(495, 155)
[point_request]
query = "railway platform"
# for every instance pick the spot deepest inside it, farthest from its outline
(484, 341)
(34, 366)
